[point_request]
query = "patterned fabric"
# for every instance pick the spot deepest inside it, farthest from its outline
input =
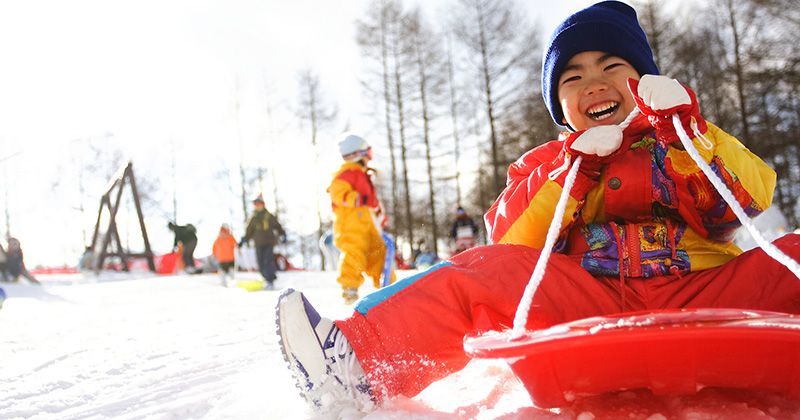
(660, 215)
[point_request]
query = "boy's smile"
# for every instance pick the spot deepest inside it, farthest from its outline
(593, 90)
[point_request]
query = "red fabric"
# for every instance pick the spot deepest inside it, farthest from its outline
(633, 133)
(415, 336)
(661, 119)
(361, 182)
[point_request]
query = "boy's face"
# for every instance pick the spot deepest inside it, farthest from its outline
(593, 90)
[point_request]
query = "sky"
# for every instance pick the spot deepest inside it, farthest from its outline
(213, 81)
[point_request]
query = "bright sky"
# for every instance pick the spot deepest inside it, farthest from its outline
(151, 76)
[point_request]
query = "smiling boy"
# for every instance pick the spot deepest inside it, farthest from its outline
(644, 229)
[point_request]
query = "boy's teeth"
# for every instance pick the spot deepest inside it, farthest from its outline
(602, 111)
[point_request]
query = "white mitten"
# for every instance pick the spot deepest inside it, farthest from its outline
(661, 92)
(599, 141)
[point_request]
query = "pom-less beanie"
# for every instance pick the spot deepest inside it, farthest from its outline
(609, 26)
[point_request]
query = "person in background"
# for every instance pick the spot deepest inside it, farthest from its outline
(464, 231)
(223, 250)
(86, 262)
(265, 230)
(15, 262)
(186, 235)
(357, 218)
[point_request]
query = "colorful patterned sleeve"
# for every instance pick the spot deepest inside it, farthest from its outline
(750, 180)
(522, 213)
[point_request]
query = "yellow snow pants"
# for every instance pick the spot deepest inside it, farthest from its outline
(361, 247)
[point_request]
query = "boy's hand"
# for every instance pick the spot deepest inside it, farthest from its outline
(662, 93)
(596, 142)
(659, 97)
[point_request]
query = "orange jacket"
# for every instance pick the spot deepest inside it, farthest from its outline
(224, 247)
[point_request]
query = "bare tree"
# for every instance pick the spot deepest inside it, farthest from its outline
(501, 41)
(373, 36)
(427, 57)
(316, 114)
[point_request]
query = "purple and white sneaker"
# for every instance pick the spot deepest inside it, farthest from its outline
(321, 359)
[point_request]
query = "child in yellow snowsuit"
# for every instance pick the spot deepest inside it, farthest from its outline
(357, 218)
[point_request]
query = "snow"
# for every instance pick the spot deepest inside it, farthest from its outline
(138, 346)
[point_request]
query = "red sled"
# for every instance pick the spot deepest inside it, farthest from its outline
(670, 352)
(167, 263)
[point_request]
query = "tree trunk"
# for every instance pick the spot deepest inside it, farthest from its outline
(403, 155)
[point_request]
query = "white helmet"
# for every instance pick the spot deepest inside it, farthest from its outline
(353, 147)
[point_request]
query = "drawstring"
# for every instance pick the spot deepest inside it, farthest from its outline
(558, 171)
(706, 143)
(673, 268)
(621, 264)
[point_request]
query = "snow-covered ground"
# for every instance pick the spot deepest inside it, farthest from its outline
(182, 347)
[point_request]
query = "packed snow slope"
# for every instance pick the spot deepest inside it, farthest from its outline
(183, 347)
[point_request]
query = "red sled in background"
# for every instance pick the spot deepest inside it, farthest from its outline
(670, 352)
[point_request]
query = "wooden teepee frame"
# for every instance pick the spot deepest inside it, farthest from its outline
(118, 183)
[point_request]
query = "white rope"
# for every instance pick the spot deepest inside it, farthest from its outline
(521, 317)
(727, 195)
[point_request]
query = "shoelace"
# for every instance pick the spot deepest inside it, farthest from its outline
(346, 366)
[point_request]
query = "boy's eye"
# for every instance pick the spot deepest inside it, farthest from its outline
(570, 79)
(612, 65)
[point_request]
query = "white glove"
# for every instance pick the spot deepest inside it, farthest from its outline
(661, 92)
(601, 141)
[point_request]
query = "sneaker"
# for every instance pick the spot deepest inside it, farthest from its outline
(350, 295)
(321, 359)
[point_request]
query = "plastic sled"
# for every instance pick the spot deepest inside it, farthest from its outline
(670, 352)
(386, 273)
(167, 263)
(251, 285)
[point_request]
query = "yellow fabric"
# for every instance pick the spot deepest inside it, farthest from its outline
(757, 178)
(355, 234)
(531, 227)
(342, 193)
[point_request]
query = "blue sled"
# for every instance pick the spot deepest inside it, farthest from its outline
(388, 262)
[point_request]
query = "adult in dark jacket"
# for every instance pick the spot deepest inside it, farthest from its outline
(464, 231)
(187, 236)
(265, 230)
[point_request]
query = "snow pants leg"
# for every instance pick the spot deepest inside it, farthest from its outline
(188, 253)
(361, 252)
(266, 262)
(410, 334)
(752, 280)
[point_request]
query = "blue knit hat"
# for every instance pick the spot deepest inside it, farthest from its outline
(609, 26)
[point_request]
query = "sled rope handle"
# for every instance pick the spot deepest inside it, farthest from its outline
(521, 317)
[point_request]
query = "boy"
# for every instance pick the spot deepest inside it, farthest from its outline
(643, 229)
(265, 230)
(357, 218)
(223, 251)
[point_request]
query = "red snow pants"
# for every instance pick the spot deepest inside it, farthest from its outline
(411, 334)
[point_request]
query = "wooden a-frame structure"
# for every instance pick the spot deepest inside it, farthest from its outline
(115, 187)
